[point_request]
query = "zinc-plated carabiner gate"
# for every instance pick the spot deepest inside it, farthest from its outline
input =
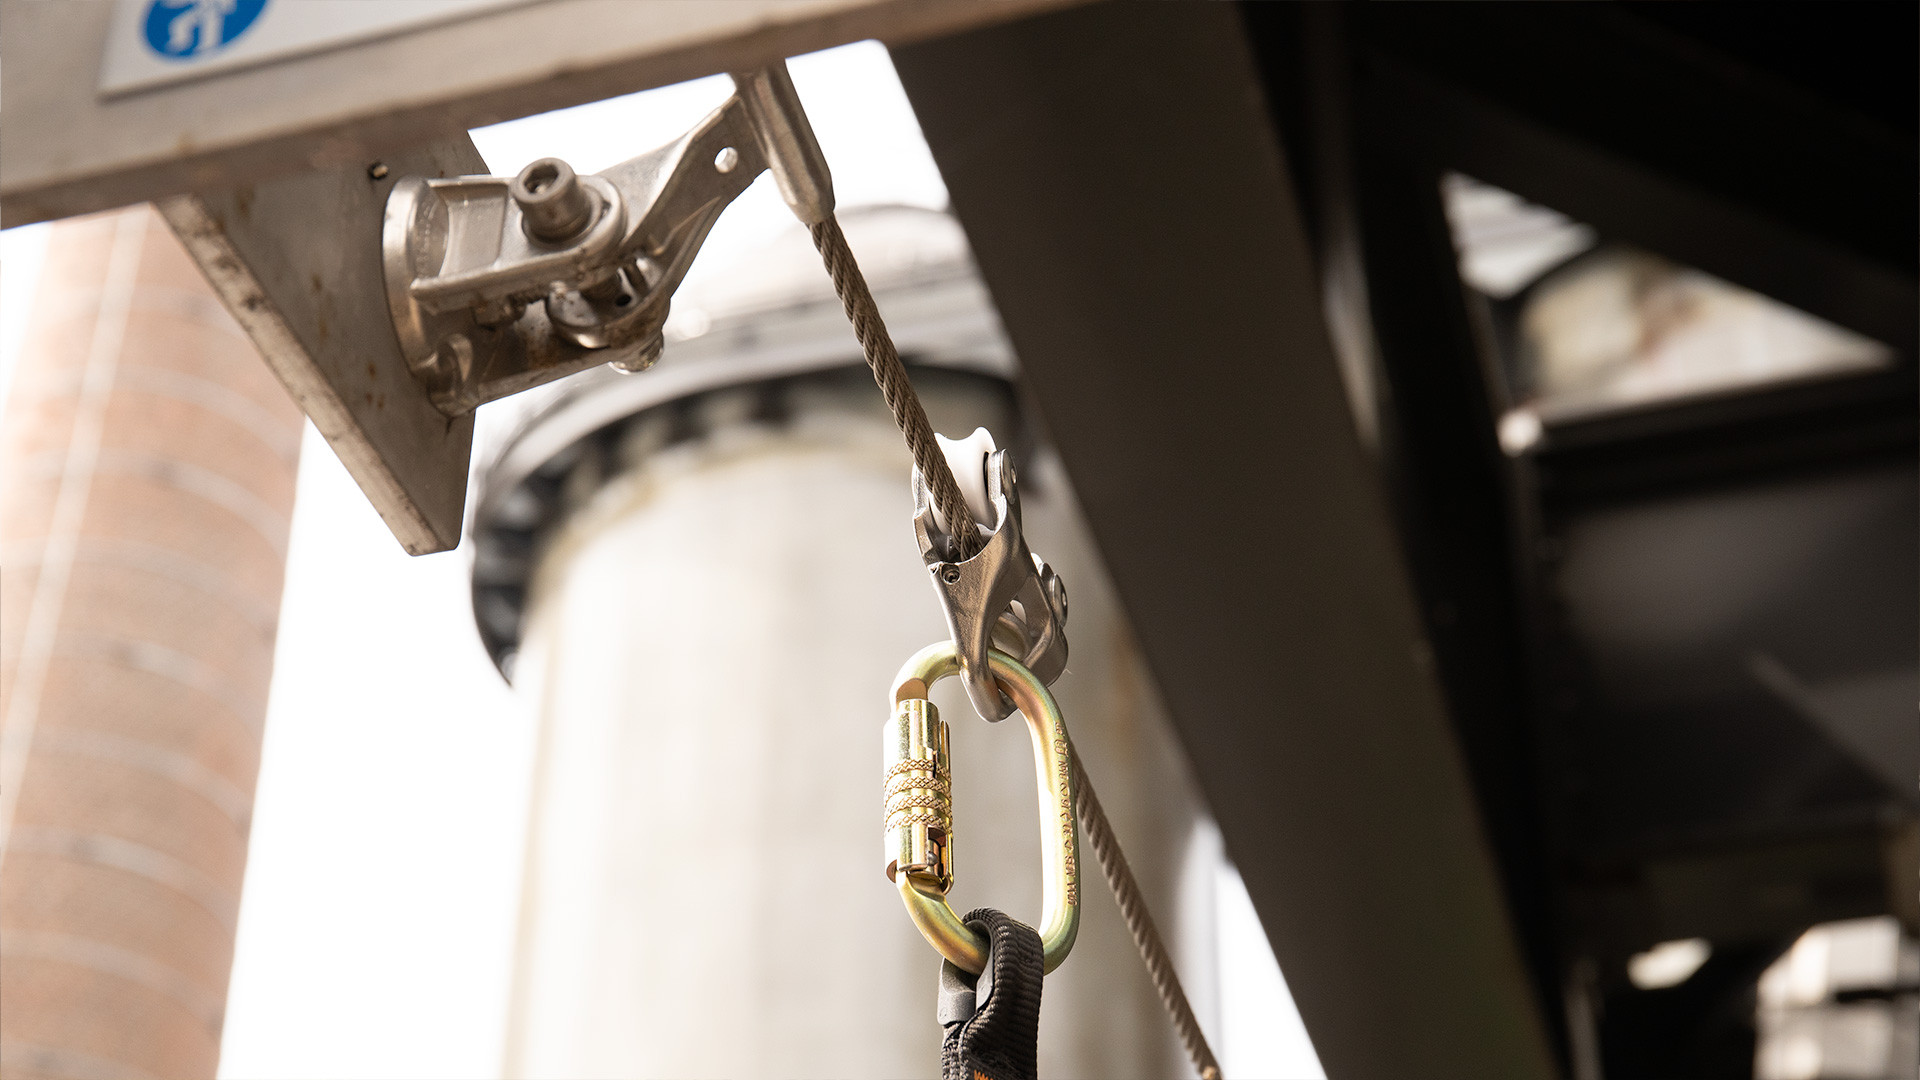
(919, 807)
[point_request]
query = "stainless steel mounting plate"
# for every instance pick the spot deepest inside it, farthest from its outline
(297, 260)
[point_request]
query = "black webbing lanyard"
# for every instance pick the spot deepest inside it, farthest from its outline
(993, 1019)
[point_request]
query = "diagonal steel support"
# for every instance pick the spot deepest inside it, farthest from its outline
(1120, 179)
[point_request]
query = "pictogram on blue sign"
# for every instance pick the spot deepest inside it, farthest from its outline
(186, 29)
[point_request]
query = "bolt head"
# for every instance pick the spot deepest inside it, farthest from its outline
(949, 573)
(555, 207)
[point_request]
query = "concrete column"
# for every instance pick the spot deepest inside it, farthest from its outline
(148, 458)
(712, 629)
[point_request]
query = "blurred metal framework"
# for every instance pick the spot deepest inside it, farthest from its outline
(1216, 239)
(1626, 797)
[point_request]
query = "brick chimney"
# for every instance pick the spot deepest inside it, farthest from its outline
(148, 462)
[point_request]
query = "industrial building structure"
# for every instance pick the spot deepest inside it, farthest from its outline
(1482, 438)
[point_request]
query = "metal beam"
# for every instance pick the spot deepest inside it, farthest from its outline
(1793, 142)
(1129, 206)
(1692, 216)
(71, 150)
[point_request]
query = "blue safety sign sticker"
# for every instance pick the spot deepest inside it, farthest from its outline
(184, 29)
(153, 43)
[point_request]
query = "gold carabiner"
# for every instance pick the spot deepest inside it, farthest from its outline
(919, 807)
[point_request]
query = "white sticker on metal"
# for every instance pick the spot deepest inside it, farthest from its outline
(156, 42)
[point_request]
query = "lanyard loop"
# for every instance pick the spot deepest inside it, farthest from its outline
(919, 807)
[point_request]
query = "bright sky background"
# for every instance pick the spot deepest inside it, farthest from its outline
(382, 884)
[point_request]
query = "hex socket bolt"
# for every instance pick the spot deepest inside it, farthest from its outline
(555, 206)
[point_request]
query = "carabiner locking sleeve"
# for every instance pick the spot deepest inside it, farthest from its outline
(919, 807)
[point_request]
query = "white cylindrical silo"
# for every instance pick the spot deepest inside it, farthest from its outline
(713, 593)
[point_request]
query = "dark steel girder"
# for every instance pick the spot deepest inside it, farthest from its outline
(1655, 141)
(1119, 177)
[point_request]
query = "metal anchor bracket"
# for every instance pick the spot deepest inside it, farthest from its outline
(1004, 596)
(497, 284)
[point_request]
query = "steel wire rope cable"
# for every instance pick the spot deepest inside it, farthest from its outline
(911, 416)
(1133, 908)
(891, 374)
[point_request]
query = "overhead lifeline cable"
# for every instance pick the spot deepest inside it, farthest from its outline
(891, 375)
